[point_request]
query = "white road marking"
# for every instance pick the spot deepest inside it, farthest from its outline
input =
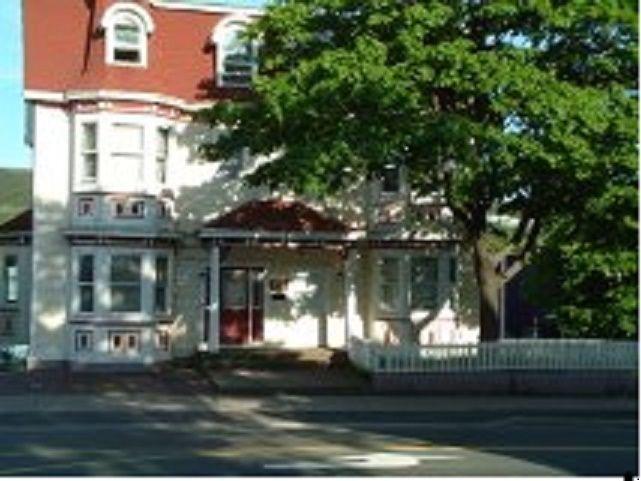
(365, 461)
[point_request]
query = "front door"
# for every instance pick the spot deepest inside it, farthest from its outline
(241, 319)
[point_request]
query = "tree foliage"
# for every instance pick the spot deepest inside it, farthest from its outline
(516, 107)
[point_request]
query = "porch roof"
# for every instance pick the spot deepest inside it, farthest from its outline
(17, 229)
(277, 216)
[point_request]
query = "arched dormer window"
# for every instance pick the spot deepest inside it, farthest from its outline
(127, 27)
(236, 57)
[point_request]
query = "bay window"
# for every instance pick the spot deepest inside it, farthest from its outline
(125, 283)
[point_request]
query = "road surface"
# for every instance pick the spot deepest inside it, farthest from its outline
(323, 435)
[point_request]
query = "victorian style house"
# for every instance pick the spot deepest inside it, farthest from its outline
(137, 250)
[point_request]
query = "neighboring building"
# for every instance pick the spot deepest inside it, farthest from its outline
(142, 251)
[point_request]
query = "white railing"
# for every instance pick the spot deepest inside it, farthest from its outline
(521, 354)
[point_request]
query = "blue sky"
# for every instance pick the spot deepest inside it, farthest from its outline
(12, 150)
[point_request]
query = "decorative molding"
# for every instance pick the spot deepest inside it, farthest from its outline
(104, 95)
(123, 7)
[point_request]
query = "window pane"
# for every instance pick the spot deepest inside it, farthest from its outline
(162, 142)
(128, 34)
(90, 166)
(125, 298)
(424, 280)
(11, 278)
(390, 181)
(89, 137)
(127, 139)
(162, 265)
(234, 287)
(125, 55)
(125, 269)
(86, 269)
(160, 299)
(390, 284)
(132, 164)
(86, 298)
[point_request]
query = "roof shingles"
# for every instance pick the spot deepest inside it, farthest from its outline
(276, 216)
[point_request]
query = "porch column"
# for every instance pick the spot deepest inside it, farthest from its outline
(353, 323)
(214, 299)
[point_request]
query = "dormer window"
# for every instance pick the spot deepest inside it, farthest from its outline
(127, 27)
(236, 57)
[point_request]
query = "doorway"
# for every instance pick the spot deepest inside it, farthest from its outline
(242, 305)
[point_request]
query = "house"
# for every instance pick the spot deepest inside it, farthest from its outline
(140, 251)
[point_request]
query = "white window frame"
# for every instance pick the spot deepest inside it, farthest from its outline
(219, 34)
(85, 152)
(131, 13)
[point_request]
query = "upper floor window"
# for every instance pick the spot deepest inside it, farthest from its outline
(127, 151)
(127, 26)
(391, 179)
(162, 152)
(89, 152)
(236, 56)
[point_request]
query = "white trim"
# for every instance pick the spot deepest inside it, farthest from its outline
(44, 95)
(206, 8)
(121, 7)
(219, 30)
(98, 95)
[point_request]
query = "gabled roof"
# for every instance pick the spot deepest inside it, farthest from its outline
(23, 222)
(276, 216)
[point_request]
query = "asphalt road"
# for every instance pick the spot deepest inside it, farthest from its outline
(299, 435)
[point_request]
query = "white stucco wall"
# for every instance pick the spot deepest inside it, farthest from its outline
(51, 178)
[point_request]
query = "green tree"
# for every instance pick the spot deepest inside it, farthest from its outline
(500, 106)
(587, 268)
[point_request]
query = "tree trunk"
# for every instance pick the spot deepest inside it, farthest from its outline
(488, 282)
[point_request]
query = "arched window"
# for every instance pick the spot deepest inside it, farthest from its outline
(236, 57)
(127, 27)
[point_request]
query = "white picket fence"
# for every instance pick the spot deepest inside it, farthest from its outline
(521, 354)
